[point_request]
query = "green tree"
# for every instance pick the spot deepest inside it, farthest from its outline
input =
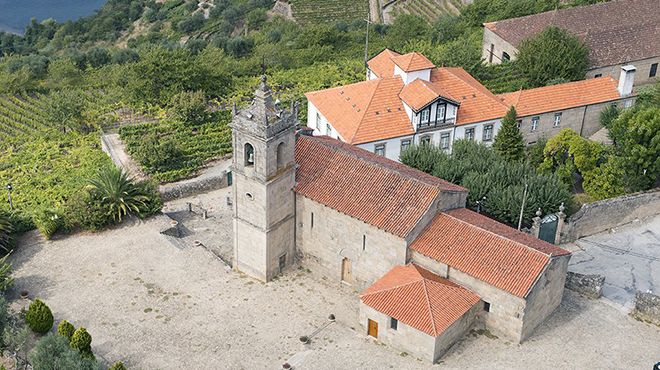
(82, 341)
(117, 193)
(66, 329)
(65, 109)
(53, 352)
(189, 107)
(39, 317)
(406, 27)
(509, 141)
(118, 366)
(63, 73)
(552, 54)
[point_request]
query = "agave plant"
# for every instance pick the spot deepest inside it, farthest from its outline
(5, 230)
(115, 190)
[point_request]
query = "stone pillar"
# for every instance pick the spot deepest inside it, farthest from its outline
(536, 224)
(561, 217)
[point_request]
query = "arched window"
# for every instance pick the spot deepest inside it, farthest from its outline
(280, 156)
(249, 155)
(505, 56)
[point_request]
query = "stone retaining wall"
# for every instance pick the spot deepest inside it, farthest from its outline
(194, 186)
(647, 307)
(590, 286)
(605, 214)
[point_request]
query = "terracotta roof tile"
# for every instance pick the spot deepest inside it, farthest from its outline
(562, 96)
(420, 93)
(412, 62)
(365, 111)
(363, 185)
(477, 102)
(615, 32)
(382, 64)
(419, 298)
(486, 249)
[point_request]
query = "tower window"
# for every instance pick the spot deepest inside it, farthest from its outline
(486, 306)
(249, 155)
(280, 156)
(364, 242)
(311, 221)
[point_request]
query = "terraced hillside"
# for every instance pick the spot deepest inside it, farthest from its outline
(324, 11)
(428, 9)
(21, 116)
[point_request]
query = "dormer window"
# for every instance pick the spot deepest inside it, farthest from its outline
(424, 115)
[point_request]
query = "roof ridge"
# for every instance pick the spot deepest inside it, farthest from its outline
(392, 288)
(428, 304)
(498, 235)
(371, 99)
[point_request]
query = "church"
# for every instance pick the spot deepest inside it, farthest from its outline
(428, 270)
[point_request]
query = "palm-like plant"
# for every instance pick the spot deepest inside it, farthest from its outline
(5, 231)
(115, 190)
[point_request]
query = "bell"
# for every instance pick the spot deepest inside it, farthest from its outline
(251, 158)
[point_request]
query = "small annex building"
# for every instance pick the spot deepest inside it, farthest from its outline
(428, 268)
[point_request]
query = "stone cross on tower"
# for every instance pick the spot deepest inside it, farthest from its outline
(263, 165)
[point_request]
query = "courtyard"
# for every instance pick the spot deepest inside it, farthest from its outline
(159, 302)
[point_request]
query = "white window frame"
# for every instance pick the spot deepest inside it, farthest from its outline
(444, 140)
(318, 121)
(535, 123)
(380, 146)
(425, 138)
(328, 129)
(407, 142)
(488, 132)
(469, 133)
(557, 120)
(421, 116)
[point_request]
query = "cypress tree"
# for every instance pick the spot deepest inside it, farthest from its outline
(509, 141)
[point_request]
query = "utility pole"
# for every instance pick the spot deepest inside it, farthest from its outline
(522, 208)
(366, 43)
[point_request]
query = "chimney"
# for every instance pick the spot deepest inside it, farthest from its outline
(626, 80)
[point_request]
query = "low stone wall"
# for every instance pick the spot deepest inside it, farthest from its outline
(605, 214)
(590, 286)
(647, 307)
(192, 187)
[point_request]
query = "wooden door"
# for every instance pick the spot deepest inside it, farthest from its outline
(372, 328)
(346, 272)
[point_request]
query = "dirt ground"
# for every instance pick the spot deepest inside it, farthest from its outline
(159, 303)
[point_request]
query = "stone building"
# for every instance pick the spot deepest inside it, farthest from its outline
(617, 33)
(429, 269)
(407, 100)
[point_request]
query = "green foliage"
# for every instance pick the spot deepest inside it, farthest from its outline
(66, 329)
(4, 318)
(6, 229)
(53, 352)
(608, 115)
(189, 107)
(16, 340)
(39, 317)
(496, 183)
(116, 193)
(47, 221)
(509, 141)
(407, 27)
(65, 109)
(6, 280)
(314, 12)
(535, 154)
(118, 366)
(552, 54)
(82, 341)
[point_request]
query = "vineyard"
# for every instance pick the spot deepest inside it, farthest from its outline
(429, 9)
(323, 11)
(171, 151)
(21, 116)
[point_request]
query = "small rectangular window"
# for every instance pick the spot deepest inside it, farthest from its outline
(519, 123)
(318, 121)
(380, 149)
(598, 75)
(405, 144)
(557, 119)
(488, 132)
(364, 242)
(444, 141)
(425, 140)
(424, 116)
(490, 54)
(440, 116)
(311, 221)
(328, 129)
(535, 123)
(394, 323)
(469, 133)
(654, 70)
(486, 306)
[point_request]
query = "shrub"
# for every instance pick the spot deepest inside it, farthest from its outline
(48, 222)
(509, 141)
(82, 341)
(66, 329)
(5, 232)
(118, 366)
(188, 107)
(4, 317)
(115, 191)
(53, 352)
(5, 274)
(39, 317)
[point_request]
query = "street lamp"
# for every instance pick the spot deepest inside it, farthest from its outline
(9, 189)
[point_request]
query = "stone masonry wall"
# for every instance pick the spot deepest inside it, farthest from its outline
(192, 187)
(605, 214)
(647, 307)
(590, 286)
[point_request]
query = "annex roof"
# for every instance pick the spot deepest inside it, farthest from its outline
(412, 62)
(562, 96)
(616, 32)
(419, 298)
(486, 249)
(419, 93)
(382, 64)
(386, 194)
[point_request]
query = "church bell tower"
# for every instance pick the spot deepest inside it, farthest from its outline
(263, 137)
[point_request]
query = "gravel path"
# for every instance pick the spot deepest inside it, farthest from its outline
(159, 305)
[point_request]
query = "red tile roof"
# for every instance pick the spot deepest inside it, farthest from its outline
(562, 96)
(615, 32)
(386, 194)
(420, 93)
(419, 298)
(412, 62)
(364, 111)
(486, 249)
(382, 64)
